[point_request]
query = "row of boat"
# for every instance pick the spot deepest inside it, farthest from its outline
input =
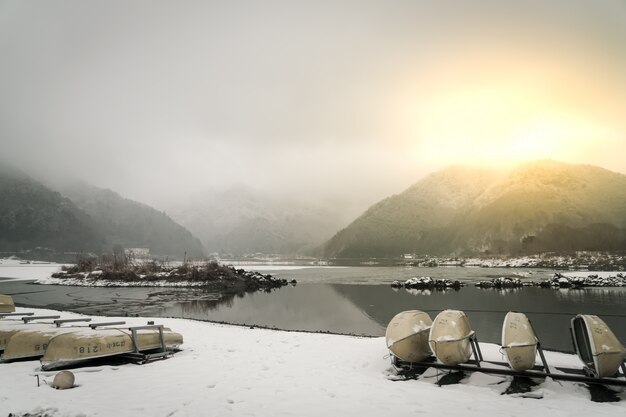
(412, 337)
(58, 342)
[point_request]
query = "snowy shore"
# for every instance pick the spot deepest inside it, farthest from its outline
(239, 371)
(27, 270)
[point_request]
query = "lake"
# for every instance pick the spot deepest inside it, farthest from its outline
(355, 300)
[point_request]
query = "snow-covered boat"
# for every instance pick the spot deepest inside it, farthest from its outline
(30, 341)
(449, 337)
(519, 342)
(597, 346)
(86, 344)
(26, 339)
(6, 304)
(26, 335)
(8, 328)
(407, 335)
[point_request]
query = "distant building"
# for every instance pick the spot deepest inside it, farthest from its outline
(138, 253)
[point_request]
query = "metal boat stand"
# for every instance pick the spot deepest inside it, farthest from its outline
(478, 364)
(160, 353)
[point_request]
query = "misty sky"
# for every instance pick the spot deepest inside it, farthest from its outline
(361, 98)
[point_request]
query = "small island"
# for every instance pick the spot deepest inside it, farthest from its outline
(122, 271)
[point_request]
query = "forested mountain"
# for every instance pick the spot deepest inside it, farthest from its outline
(537, 207)
(131, 224)
(32, 215)
(82, 218)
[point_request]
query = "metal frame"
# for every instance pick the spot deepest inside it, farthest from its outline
(31, 318)
(162, 352)
(3, 315)
(573, 375)
(478, 355)
(107, 323)
(60, 322)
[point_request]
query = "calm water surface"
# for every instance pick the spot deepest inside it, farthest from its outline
(354, 300)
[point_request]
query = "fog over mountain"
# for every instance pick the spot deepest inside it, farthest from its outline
(80, 218)
(131, 224)
(243, 220)
(32, 215)
(162, 100)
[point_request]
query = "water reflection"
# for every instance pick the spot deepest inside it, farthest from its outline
(550, 311)
(596, 294)
(414, 291)
(366, 309)
(306, 307)
(426, 291)
(342, 308)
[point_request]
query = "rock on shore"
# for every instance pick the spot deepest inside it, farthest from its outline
(427, 283)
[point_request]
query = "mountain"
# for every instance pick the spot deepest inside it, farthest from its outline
(32, 215)
(82, 218)
(131, 224)
(243, 220)
(537, 207)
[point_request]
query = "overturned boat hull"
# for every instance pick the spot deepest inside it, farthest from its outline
(597, 346)
(449, 337)
(83, 345)
(407, 335)
(9, 328)
(30, 342)
(6, 304)
(519, 341)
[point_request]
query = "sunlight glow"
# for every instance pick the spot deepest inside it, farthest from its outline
(501, 125)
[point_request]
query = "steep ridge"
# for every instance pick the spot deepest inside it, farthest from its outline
(32, 215)
(132, 224)
(83, 218)
(539, 206)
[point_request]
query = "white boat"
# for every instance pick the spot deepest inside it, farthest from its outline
(30, 341)
(597, 346)
(86, 344)
(407, 335)
(519, 342)
(6, 304)
(8, 328)
(449, 337)
(33, 340)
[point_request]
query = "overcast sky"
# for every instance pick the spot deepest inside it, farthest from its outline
(361, 98)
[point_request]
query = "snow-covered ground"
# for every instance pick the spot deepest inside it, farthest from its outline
(20, 270)
(601, 274)
(240, 371)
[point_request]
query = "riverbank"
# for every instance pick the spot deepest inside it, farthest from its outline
(17, 269)
(558, 281)
(233, 371)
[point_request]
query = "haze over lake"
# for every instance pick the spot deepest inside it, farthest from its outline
(154, 153)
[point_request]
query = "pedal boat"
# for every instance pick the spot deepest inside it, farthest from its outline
(6, 304)
(449, 337)
(407, 336)
(597, 346)
(519, 341)
(82, 345)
